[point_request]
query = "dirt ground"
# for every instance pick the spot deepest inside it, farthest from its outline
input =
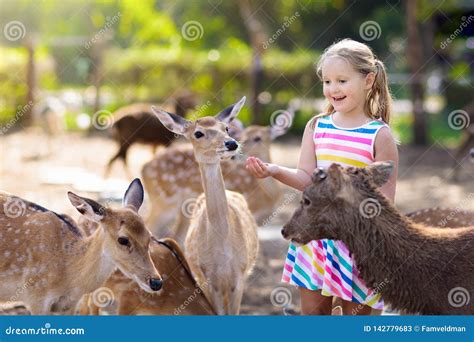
(42, 170)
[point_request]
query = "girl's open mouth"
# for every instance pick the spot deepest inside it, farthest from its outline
(338, 99)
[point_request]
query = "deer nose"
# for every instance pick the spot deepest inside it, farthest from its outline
(283, 232)
(156, 284)
(231, 145)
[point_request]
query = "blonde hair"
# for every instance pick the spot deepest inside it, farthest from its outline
(378, 104)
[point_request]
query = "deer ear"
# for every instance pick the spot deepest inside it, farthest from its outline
(335, 176)
(133, 197)
(236, 127)
(380, 172)
(90, 209)
(172, 122)
(229, 114)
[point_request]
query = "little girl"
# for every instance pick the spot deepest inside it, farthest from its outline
(353, 131)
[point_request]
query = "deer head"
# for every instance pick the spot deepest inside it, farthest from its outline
(209, 135)
(335, 195)
(126, 239)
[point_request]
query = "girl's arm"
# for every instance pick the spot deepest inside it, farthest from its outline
(297, 178)
(386, 149)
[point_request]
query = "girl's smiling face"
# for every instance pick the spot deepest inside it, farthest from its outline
(344, 87)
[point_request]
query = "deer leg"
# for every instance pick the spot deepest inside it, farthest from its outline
(122, 154)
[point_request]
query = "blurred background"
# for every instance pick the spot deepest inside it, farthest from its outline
(67, 66)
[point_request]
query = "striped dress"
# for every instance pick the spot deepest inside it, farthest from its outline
(327, 265)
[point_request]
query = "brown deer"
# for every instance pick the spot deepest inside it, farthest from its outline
(222, 243)
(180, 294)
(416, 268)
(136, 123)
(48, 264)
(172, 178)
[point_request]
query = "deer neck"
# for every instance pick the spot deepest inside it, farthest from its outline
(93, 264)
(216, 200)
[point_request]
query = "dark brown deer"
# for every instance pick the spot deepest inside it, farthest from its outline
(137, 124)
(416, 268)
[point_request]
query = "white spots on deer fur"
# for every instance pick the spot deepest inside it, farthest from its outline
(7, 254)
(42, 247)
(17, 231)
(247, 180)
(9, 229)
(178, 159)
(27, 232)
(16, 241)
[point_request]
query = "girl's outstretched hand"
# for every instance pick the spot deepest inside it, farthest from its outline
(260, 169)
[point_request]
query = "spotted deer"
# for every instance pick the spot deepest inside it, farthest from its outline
(222, 243)
(180, 294)
(48, 264)
(415, 268)
(443, 217)
(172, 181)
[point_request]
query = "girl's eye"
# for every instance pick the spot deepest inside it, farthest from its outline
(342, 81)
(198, 135)
(326, 82)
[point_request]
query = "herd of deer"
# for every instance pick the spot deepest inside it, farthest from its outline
(53, 265)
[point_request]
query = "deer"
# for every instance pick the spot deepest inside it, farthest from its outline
(180, 294)
(48, 264)
(443, 217)
(415, 268)
(172, 178)
(222, 243)
(136, 123)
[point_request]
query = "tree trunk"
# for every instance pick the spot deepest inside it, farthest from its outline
(415, 63)
(257, 40)
(27, 118)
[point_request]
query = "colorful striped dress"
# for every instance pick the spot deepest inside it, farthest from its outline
(327, 265)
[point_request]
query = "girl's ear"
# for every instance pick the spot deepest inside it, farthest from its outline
(369, 80)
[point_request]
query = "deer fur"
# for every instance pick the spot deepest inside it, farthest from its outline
(416, 268)
(48, 264)
(222, 243)
(443, 217)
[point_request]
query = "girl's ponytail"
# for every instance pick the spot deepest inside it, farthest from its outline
(379, 100)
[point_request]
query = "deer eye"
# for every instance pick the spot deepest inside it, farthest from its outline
(227, 129)
(257, 139)
(306, 201)
(124, 241)
(198, 135)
